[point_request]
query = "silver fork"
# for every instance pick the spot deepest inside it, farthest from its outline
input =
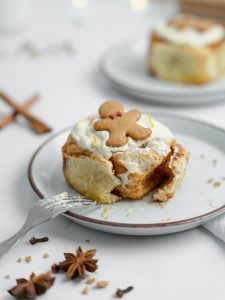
(43, 211)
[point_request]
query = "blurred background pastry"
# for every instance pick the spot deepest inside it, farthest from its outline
(187, 49)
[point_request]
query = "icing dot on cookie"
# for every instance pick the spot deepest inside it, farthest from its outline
(115, 115)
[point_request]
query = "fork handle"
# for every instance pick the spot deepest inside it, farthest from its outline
(9, 243)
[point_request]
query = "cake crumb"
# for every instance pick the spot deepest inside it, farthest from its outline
(210, 202)
(210, 180)
(128, 211)
(7, 276)
(28, 259)
(102, 284)
(169, 219)
(105, 213)
(45, 255)
(19, 260)
(161, 204)
(85, 290)
(90, 119)
(87, 241)
(90, 280)
(217, 183)
(158, 204)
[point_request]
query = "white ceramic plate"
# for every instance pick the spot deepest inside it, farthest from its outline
(125, 66)
(196, 201)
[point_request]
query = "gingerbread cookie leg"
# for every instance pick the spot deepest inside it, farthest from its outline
(116, 140)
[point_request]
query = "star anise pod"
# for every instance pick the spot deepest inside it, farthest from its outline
(77, 265)
(35, 286)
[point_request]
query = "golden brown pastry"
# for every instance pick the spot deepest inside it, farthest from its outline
(132, 168)
(187, 49)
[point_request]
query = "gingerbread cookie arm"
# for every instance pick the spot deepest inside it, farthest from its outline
(132, 115)
(134, 130)
(138, 133)
(115, 139)
(101, 125)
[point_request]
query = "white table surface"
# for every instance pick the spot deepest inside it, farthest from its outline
(188, 265)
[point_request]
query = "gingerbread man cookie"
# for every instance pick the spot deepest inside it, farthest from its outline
(120, 124)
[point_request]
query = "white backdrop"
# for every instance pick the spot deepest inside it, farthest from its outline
(185, 266)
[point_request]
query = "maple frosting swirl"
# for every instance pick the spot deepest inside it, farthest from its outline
(87, 137)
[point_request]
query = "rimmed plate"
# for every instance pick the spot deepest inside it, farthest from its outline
(125, 66)
(200, 198)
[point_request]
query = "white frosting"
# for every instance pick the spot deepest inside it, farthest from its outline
(88, 138)
(190, 36)
(140, 167)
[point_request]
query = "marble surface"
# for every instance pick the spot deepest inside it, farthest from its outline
(188, 265)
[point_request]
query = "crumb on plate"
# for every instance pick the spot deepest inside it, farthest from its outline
(45, 255)
(28, 259)
(102, 284)
(85, 290)
(90, 280)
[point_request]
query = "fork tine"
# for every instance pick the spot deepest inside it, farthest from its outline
(68, 203)
(46, 210)
(65, 201)
(72, 198)
(76, 197)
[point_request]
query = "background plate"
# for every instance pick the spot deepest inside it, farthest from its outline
(125, 66)
(195, 202)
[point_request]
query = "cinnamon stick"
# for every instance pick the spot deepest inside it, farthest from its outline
(36, 124)
(11, 117)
